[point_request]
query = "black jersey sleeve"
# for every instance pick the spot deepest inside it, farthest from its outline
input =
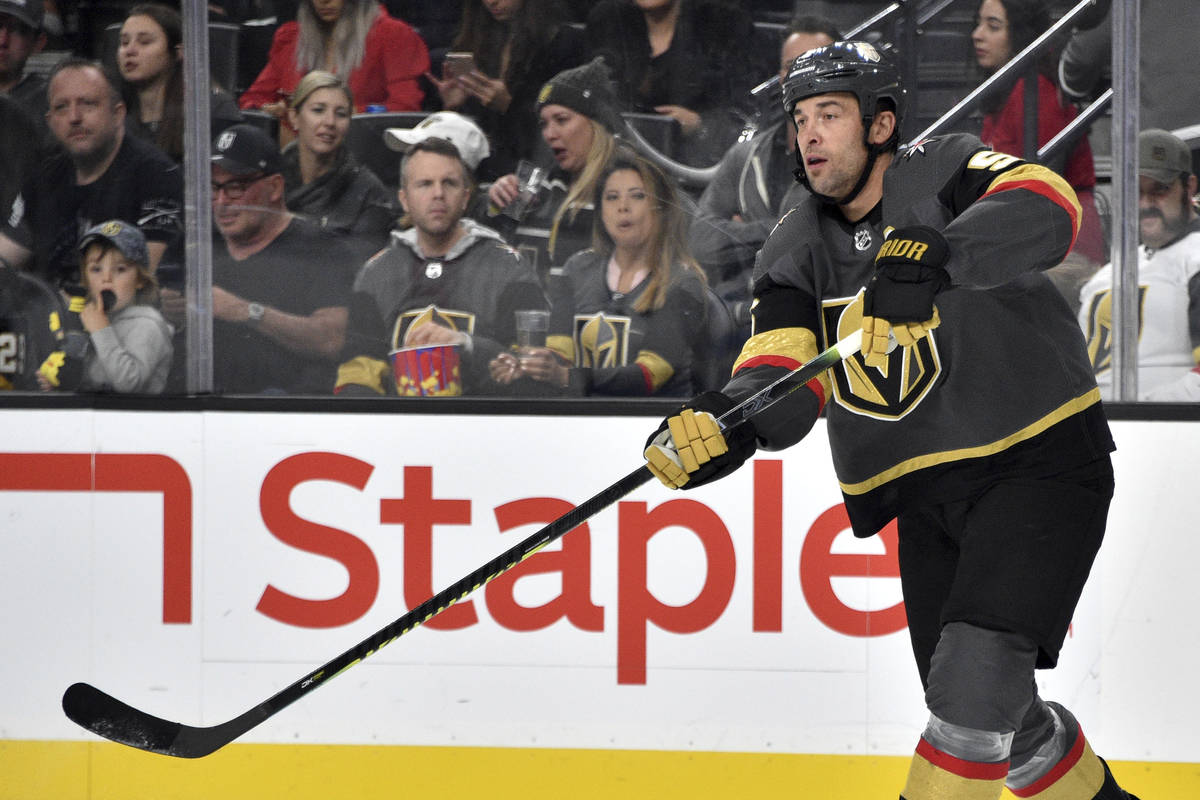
(1009, 217)
(783, 337)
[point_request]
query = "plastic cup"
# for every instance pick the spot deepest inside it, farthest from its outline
(529, 181)
(532, 325)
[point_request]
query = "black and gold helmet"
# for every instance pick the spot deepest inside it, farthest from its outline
(855, 67)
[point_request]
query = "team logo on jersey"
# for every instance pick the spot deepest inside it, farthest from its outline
(601, 340)
(889, 392)
(862, 239)
(447, 318)
(1100, 328)
(433, 270)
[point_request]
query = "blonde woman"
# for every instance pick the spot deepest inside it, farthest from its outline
(322, 181)
(380, 57)
(628, 311)
(578, 118)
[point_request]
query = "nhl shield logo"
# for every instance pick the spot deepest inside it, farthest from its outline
(433, 270)
(862, 239)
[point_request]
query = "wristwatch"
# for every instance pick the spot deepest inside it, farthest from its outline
(255, 312)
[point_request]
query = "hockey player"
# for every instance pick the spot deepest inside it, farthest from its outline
(983, 435)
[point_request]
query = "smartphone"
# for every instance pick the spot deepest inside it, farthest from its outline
(456, 64)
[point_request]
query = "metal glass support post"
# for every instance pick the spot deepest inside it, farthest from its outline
(1126, 18)
(197, 188)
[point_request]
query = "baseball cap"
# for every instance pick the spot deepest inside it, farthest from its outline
(244, 149)
(30, 12)
(1162, 156)
(460, 131)
(121, 235)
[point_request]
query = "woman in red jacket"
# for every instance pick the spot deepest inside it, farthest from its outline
(1003, 28)
(379, 56)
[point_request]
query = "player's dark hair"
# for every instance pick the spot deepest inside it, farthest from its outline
(813, 23)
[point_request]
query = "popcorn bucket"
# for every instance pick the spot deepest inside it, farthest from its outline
(431, 371)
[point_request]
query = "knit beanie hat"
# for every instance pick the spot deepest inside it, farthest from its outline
(586, 89)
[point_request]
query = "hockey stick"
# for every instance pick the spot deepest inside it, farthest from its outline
(107, 716)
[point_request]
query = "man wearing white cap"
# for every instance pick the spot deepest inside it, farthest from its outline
(447, 280)
(1168, 282)
(460, 131)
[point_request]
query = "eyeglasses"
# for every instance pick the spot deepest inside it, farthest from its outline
(237, 187)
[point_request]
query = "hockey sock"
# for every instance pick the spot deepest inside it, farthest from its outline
(976, 772)
(1063, 768)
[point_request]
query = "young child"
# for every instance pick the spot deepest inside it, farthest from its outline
(130, 341)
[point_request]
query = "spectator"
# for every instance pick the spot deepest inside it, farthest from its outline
(130, 341)
(1168, 89)
(1168, 279)
(460, 131)
(18, 150)
(753, 186)
(691, 60)
(446, 281)
(1003, 28)
(517, 45)
(281, 287)
(632, 307)
(322, 180)
(21, 36)
(579, 116)
(150, 60)
(380, 57)
(102, 174)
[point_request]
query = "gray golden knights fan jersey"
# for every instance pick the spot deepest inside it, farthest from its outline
(1005, 373)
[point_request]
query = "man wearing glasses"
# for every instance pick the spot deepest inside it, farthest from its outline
(281, 287)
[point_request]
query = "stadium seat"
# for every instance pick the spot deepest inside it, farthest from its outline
(365, 140)
(657, 129)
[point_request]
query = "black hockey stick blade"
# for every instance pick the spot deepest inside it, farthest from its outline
(106, 716)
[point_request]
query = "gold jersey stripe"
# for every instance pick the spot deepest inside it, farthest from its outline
(657, 367)
(1045, 182)
(933, 459)
(563, 345)
(798, 344)
(364, 371)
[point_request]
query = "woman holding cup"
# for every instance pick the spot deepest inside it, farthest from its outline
(578, 117)
(628, 310)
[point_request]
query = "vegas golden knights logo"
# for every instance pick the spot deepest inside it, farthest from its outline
(888, 392)
(601, 340)
(447, 318)
(1100, 328)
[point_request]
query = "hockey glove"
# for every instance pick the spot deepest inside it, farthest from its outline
(690, 449)
(909, 272)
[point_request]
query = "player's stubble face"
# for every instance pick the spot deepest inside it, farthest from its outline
(829, 136)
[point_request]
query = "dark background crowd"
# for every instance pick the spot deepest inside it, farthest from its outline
(612, 164)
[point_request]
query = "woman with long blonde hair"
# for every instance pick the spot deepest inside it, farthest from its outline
(579, 119)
